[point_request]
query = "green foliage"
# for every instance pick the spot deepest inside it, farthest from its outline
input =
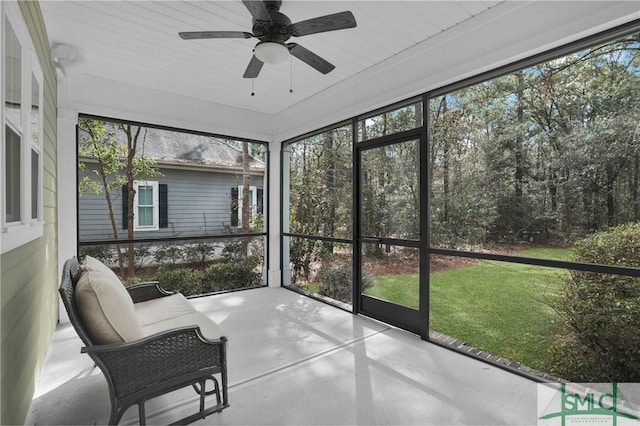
(231, 275)
(114, 149)
(141, 255)
(551, 152)
(302, 253)
(98, 140)
(466, 223)
(337, 283)
(183, 280)
(320, 199)
(199, 253)
(102, 253)
(169, 254)
(602, 340)
(390, 196)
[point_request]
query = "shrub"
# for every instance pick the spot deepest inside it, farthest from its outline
(102, 253)
(199, 253)
(142, 255)
(186, 281)
(168, 254)
(337, 283)
(602, 341)
(233, 275)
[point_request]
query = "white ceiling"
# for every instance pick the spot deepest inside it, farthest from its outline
(136, 42)
(133, 65)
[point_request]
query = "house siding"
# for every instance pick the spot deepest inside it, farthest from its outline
(29, 277)
(199, 203)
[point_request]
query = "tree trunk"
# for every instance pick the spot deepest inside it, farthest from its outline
(553, 191)
(246, 190)
(329, 190)
(112, 218)
(611, 207)
(132, 145)
(634, 189)
(518, 142)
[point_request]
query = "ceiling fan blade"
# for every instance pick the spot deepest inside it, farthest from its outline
(257, 9)
(337, 21)
(196, 35)
(310, 58)
(254, 67)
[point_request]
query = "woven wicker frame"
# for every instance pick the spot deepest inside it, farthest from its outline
(144, 369)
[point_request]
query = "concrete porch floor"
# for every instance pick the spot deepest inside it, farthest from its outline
(295, 361)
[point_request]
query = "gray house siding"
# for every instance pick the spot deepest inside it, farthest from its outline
(199, 203)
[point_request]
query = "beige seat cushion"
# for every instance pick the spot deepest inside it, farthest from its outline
(162, 308)
(105, 305)
(208, 327)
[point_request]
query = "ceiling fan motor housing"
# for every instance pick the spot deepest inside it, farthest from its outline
(277, 30)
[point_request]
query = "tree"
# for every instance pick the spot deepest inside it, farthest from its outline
(114, 147)
(320, 195)
(550, 152)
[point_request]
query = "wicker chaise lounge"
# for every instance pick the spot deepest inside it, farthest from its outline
(157, 344)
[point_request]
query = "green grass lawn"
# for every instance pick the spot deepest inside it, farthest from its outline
(500, 307)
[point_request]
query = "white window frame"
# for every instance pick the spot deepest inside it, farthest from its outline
(17, 233)
(156, 206)
(253, 208)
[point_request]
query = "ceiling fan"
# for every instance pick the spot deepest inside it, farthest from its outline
(273, 29)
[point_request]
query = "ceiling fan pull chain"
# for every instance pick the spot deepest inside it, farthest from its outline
(291, 74)
(253, 93)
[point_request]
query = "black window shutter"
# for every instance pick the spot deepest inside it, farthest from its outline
(259, 203)
(163, 206)
(234, 206)
(125, 205)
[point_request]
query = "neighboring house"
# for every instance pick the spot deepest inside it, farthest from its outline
(199, 191)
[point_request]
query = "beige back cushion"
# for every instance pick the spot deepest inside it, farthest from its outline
(105, 305)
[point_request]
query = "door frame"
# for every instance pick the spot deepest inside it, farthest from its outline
(415, 321)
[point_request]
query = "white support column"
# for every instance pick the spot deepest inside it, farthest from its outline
(273, 215)
(67, 191)
(286, 269)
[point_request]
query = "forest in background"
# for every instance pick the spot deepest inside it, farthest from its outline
(547, 155)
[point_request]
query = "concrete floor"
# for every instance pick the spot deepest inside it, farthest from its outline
(296, 361)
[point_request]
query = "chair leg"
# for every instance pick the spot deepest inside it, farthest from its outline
(217, 390)
(225, 398)
(203, 384)
(114, 418)
(116, 415)
(141, 414)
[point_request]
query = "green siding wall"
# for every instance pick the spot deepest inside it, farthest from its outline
(29, 280)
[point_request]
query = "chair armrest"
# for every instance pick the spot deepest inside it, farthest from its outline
(171, 357)
(142, 292)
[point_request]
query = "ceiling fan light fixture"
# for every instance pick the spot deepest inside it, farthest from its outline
(271, 52)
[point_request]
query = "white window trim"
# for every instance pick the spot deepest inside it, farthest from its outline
(253, 208)
(156, 206)
(38, 146)
(18, 233)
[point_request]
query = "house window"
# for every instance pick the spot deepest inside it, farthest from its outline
(36, 167)
(21, 154)
(146, 209)
(146, 206)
